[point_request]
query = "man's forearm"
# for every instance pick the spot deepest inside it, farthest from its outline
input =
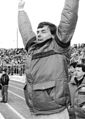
(68, 20)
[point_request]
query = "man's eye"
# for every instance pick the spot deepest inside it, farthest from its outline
(43, 31)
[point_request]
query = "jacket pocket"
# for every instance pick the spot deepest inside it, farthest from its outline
(44, 96)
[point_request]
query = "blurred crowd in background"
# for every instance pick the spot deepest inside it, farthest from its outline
(78, 53)
(77, 57)
(13, 60)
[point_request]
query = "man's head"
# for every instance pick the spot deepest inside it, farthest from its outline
(45, 30)
(3, 71)
(79, 70)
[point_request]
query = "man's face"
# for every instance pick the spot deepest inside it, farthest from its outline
(43, 34)
(78, 72)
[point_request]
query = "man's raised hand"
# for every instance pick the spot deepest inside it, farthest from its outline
(21, 4)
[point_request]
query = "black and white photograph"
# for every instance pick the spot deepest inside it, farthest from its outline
(42, 59)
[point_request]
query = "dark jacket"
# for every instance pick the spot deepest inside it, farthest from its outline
(4, 79)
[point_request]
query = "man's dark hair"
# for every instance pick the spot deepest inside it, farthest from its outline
(51, 26)
(81, 66)
(74, 64)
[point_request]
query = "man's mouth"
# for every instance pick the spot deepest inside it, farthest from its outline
(40, 39)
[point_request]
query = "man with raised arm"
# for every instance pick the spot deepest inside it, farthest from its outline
(46, 90)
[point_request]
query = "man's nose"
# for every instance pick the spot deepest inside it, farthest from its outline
(39, 35)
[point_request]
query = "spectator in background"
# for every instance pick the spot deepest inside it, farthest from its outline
(77, 79)
(79, 75)
(4, 82)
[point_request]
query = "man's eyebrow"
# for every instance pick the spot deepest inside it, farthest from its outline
(43, 29)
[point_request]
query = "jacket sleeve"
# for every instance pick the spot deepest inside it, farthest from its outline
(8, 78)
(68, 21)
(25, 27)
